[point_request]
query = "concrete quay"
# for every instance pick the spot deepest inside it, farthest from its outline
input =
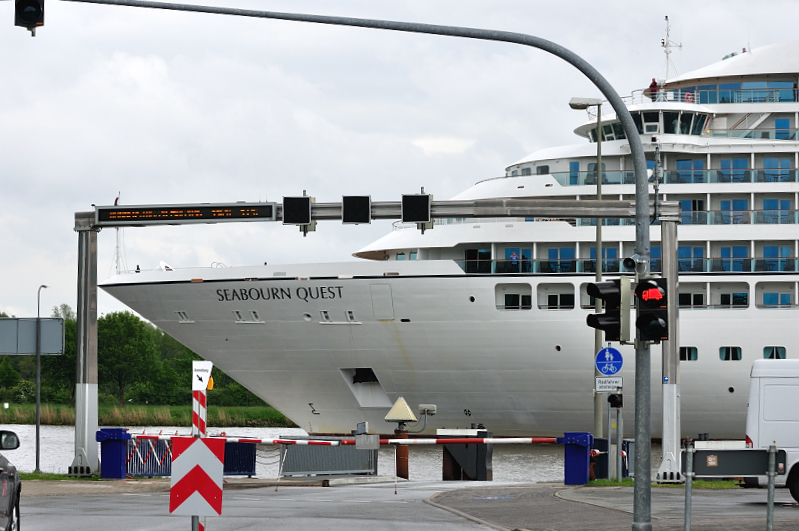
(357, 504)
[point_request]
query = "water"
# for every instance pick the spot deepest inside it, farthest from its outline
(512, 462)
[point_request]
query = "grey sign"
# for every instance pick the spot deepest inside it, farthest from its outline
(734, 463)
(18, 336)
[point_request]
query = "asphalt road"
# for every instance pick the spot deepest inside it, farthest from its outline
(362, 507)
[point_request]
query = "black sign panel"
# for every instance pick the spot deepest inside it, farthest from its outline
(297, 210)
(734, 463)
(356, 209)
(416, 208)
(179, 214)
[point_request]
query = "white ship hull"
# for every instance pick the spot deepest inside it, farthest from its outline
(515, 372)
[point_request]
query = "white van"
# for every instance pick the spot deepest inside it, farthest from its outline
(773, 413)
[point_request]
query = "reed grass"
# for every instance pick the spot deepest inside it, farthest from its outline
(147, 415)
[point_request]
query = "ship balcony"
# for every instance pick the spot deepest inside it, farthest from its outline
(719, 264)
(763, 175)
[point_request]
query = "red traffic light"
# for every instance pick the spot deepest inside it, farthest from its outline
(655, 294)
(651, 293)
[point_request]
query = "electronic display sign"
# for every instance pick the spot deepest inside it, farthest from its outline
(119, 215)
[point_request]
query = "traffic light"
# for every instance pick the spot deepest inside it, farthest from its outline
(652, 305)
(415, 208)
(616, 319)
(616, 400)
(29, 14)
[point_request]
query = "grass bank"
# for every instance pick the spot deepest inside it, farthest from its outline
(146, 415)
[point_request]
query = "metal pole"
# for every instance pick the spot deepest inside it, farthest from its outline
(669, 469)
(618, 444)
(610, 438)
(86, 460)
(642, 517)
(689, 476)
(598, 276)
(772, 465)
(38, 373)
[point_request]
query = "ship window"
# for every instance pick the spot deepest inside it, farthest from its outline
(730, 353)
(555, 296)
(183, 317)
(776, 170)
(651, 121)
(238, 316)
(514, 173)
(542, 170)
(325, 315)
(774, 353)
(514, 296)
(689, 353)
(670, 122)
(351, 316)
(782, 126)
(618, 131)
(527, 171)
(688, 300)
(734, 170)
(776, 299)
(638, 124)
(729, 92)
(733, 258)
(739, 299)
(412, 255)
(255, 317)
(690, 258)
(708, 94)
(400, 256)
(699, 123)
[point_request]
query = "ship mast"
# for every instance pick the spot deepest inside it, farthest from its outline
(119, 257)
(667, 44)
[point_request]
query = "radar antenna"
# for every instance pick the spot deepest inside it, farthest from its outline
(667, 44)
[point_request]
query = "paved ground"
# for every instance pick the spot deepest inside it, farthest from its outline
(553, 507)
(254, 504)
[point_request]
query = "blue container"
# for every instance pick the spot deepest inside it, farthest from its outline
(113, 452)
(577, 448)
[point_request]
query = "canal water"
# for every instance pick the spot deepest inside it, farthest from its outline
(511, 463)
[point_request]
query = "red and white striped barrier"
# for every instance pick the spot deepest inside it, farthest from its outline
(199, 414)
(345, 442)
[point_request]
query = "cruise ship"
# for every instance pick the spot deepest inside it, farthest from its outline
(486, 318)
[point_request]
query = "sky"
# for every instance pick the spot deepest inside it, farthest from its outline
(161, 107)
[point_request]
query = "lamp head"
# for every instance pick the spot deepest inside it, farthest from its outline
(584, 103)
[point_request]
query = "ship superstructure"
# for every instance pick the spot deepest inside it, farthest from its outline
(486, 317)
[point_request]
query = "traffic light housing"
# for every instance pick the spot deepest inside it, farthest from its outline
(616, 400)
(356, 209)
(652, 304)
(297, 210)
(29, 14)
(615, 322)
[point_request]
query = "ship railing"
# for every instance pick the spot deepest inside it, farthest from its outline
(718, 264)
(688, 176)
(760, 134)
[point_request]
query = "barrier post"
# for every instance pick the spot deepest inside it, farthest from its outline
(772, 473)
(689, 478)
(577, 451)
(402, 452)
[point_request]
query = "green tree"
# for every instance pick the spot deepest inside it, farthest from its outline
(58, 372)
(9, 377)
(126, 352)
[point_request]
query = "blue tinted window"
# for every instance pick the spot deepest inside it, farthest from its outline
(781, 126)
(574, 172)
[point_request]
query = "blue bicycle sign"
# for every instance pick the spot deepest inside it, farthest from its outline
(609, 361)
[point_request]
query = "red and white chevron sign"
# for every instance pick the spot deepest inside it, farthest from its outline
(197, 470)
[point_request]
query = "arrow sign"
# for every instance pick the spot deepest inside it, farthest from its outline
(197, 469)
(201, 375)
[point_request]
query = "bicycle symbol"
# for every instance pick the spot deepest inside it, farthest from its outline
(608, 368)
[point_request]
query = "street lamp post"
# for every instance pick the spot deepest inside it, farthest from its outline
(38, 371)
(585, 103)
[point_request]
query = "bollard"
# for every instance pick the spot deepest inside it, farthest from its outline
(402, 453)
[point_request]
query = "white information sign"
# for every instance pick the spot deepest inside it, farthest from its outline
(610, 384)
(201, 374)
